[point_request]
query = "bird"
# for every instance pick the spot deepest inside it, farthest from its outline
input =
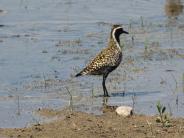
(108, 59)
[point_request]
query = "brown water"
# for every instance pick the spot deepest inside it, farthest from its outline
(43, 44)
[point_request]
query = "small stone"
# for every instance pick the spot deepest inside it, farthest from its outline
(124, 111)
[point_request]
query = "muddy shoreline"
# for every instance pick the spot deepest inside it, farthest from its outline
(78, 124)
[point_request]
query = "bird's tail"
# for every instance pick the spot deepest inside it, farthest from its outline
(83, 72)
(79, 74)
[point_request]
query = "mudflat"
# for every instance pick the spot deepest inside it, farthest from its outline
(71, 124)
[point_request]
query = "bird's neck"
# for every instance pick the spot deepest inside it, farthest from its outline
(114, 42)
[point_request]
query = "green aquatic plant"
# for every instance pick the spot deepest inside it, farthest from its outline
(71, 100)
(142, 22)
(146, 48)
(183, 82)
(163, 116)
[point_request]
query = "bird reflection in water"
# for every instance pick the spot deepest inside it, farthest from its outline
(107, 108)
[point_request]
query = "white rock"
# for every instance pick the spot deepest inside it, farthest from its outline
(124, 110)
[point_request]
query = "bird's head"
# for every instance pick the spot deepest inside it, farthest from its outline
(116, 31)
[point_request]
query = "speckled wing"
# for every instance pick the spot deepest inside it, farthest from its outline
(109, 57)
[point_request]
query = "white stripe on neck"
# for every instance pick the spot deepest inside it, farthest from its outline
(113, 35)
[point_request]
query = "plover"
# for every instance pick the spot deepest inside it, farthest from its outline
(108, 59)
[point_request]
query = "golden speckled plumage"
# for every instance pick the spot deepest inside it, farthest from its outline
(108, 59)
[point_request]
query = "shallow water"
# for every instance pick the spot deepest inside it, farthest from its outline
(43, 44)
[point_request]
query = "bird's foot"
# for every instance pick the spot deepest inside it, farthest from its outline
(106, 95)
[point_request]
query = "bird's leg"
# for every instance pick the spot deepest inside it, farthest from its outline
(103, 84)
(104, 87)
(105, 101)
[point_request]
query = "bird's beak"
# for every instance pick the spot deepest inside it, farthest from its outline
(125, 32)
